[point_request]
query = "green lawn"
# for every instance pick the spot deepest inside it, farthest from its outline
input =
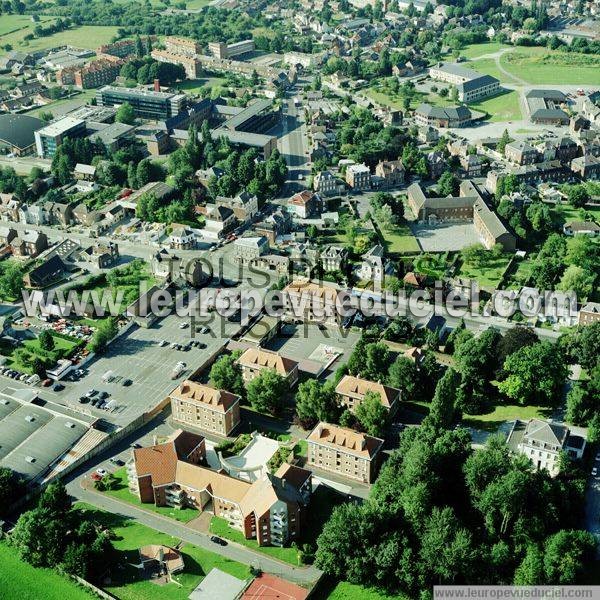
(62, 348)
(488, 276)
(86, 36)
(505, 412)
(476, 50)
(20, 580)
(349, 591)
(219, 527)
(503, 107)
(121, 492)
(431, 265)
(565, 213)
(488, 66)
(193, 86)
(401, 240)
(128, 584)
(520, 276)
(538, 65)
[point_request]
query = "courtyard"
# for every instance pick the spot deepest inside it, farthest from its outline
(444, 238)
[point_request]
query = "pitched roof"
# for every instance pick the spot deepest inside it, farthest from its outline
(546, 433)
(353, 442)
(219, 400)
(355, 387)
(265, 359)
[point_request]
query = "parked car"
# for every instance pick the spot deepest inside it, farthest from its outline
(58, 387)
(103, 395)
(136, 445)
(102, 472)
(116, 461)
(91, 393)
(184, 325)
(127, 382)
(217, 540)
(46, 382)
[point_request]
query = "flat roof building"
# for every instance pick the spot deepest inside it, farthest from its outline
(147, 104)
(49, 138)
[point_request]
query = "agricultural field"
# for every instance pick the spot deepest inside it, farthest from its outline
(86, 36)
(538, 65)
(503, 107)
(20, 580)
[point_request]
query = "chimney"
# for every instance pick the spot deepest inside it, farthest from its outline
(157, 85)
(154, 440)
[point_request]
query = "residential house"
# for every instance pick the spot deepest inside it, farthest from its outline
(352, 391)
(304, 204)
(101, 256)
(521, 153)
(374, 265)
(543, 442)
(271, 510)
(50, 271)
(29, 243)
(333, 258)
(255, 360)
(586, 167)
(244, 205)
(358, 177)
(182, 238)
(588, 228)
(84, 172)
(205, 407)
(326, 184)
(391, 172)
(344, 452)
(590, 313)
(276, 224)
(219, 220)
(249, 248)
(7, 235)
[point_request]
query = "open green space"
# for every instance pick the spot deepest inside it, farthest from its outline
(20, 580)
(121, 492)
(488, 275)
(488, 66)
(503, 107)
(60, 107)
(128, 582)
(86, 36)
(520, 275)
(476, 50)
(349, 591)
(431, 265)
(220, 527)
(505, 412)
(564, 213)
(193, 86)
(538, 65)
(400, 240)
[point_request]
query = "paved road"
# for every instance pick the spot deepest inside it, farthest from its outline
(233, 551)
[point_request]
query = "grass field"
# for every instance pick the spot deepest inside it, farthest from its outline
(121, 492)
(83, 37)
(476, 50)
(193, 86)
(128, 583)
(538, 65)
(520, 277)
(565, 213)
(62, 347)
(488, 66)
(220, 527)
(20, 580)
(489, 275)
(400, 241)
(509, 412)
(350, 591)
(503, 107)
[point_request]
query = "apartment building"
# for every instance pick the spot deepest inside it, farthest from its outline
(352, 391)
(391, 172)
(181, 45)
(205, 407)
(124, 48)
(327, 184)
(49, 138)
(470, 84)
(271, 510)
(191, 65)
(344, 452)
(255, 360)
(311, 302)
(358, 177)
(224, 51)
(521, 153)
(543, 442)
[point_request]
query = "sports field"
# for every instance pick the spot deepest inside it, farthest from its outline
(14, 32)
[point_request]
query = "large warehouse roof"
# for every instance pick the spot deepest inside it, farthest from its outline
(17, 130)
